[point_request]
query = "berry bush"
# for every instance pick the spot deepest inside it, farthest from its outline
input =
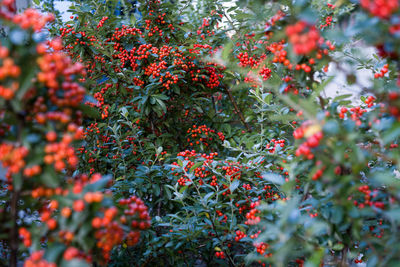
(200, 133)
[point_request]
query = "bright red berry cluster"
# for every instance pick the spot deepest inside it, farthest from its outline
(382, 72)
(203, 135)
(274, 143)
(101, 22)
(370, 101)
(380, 8)
(356, 112)
(319, 172)
(220, 254)
(261, 248)
(239, 235)
(253, 215)
(36, 260)
(313, 134)
(303, 37)
(265, 73)
(31, 18)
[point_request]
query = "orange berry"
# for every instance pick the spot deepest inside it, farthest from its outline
(59, 165)
(96, 222)
(66, 212)
(71, 253)
(88, 197)
(69, 236)
(53, 204)
(51, 136)
(52, 224)
(97, 197)
(3, 52)
(41, 48)
(46, 215)
(79, 205)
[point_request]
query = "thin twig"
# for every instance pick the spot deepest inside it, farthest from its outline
(237, 110)
(160, 202)
(14, 242)
(14, 229)
(321, 102)
(231, 262)
(343, 262)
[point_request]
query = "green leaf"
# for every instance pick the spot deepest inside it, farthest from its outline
(49, 177)
(195, 166)
(75, 263)
(234, 185)
(207, 196)
(393, 214)
(17, 181)
(391, 134)
(336, 214)
(83, 238)
(341, 97)
(274, 178)
(384, 178)
(54, 252)
(227, 51)
(162, 105)
(338, 247)
(315, 259)
(89, 111)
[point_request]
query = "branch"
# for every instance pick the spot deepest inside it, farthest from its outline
(14, 229)
(237, 110)
(160, 202)
(231, 262)
(321, 102)
(343, 261)
(16, 192)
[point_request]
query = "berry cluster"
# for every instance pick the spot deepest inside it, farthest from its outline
(261, 248)
(370, 101)
(26, 236)
(36, 259)
(313, 134)
(328, 22)
(274, 143)
(252, 216)
(368, 196)
(382, 72)
(358, 260)
(203, 135)
(320, 171)
(137, 209)
(101, 22)
(31, 18)
(380, 8)
(303, 37)
(239, 235)
(47, 120)
(12, 158)
(265, 73)
(8, 69)
(220, 254)
(61, 153)
(252, 80)
(248, 61)
(274, 19)
(356, 112)
(56, 64)
(206, 28)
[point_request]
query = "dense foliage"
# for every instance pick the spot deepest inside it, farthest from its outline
(44, 203)
(210, 117)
